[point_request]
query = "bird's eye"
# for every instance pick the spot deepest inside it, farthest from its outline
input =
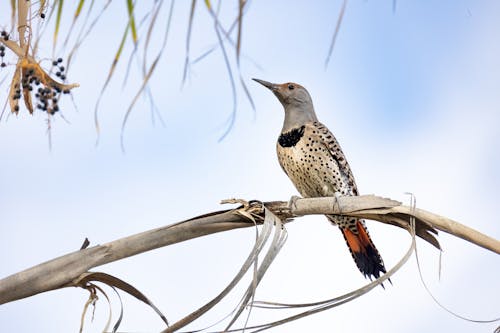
(291, 87)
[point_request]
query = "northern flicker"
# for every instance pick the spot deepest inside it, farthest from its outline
(311, 157)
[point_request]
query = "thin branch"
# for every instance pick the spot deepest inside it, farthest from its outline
(18, 50)
(22, 15)
(65, 270)
(62, 271)
(188, 41)
(335, 34)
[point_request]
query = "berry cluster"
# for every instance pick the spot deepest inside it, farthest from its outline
(60, 72)
(5, 36)
(47, 91)
(47, 100)
(2, 54)
(16, 96)
(35, 83)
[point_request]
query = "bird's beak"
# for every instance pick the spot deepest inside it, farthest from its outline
(269, 85)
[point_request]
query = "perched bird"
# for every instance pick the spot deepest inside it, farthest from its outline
(311, 157)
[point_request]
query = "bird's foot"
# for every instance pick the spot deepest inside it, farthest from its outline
(337, 196)
(292, 203)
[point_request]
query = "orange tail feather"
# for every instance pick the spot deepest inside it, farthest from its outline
(363, 251)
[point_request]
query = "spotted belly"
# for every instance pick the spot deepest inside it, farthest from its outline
(312, 169)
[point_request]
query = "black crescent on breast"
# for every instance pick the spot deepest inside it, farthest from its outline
(290, 138)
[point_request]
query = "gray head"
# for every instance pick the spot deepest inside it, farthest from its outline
(295, 100)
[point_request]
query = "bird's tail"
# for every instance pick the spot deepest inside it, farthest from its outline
(363, 251)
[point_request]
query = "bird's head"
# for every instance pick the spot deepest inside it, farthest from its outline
(289, 94)
(295, 100)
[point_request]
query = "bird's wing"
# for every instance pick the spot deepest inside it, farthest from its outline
(333, 147)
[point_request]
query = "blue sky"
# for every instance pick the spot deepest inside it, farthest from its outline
(411, 95)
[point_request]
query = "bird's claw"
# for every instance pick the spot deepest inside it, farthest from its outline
(337, 196)
(292, 203)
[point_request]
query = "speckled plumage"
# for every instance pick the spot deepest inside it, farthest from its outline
(317, 167)
(313, 160)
